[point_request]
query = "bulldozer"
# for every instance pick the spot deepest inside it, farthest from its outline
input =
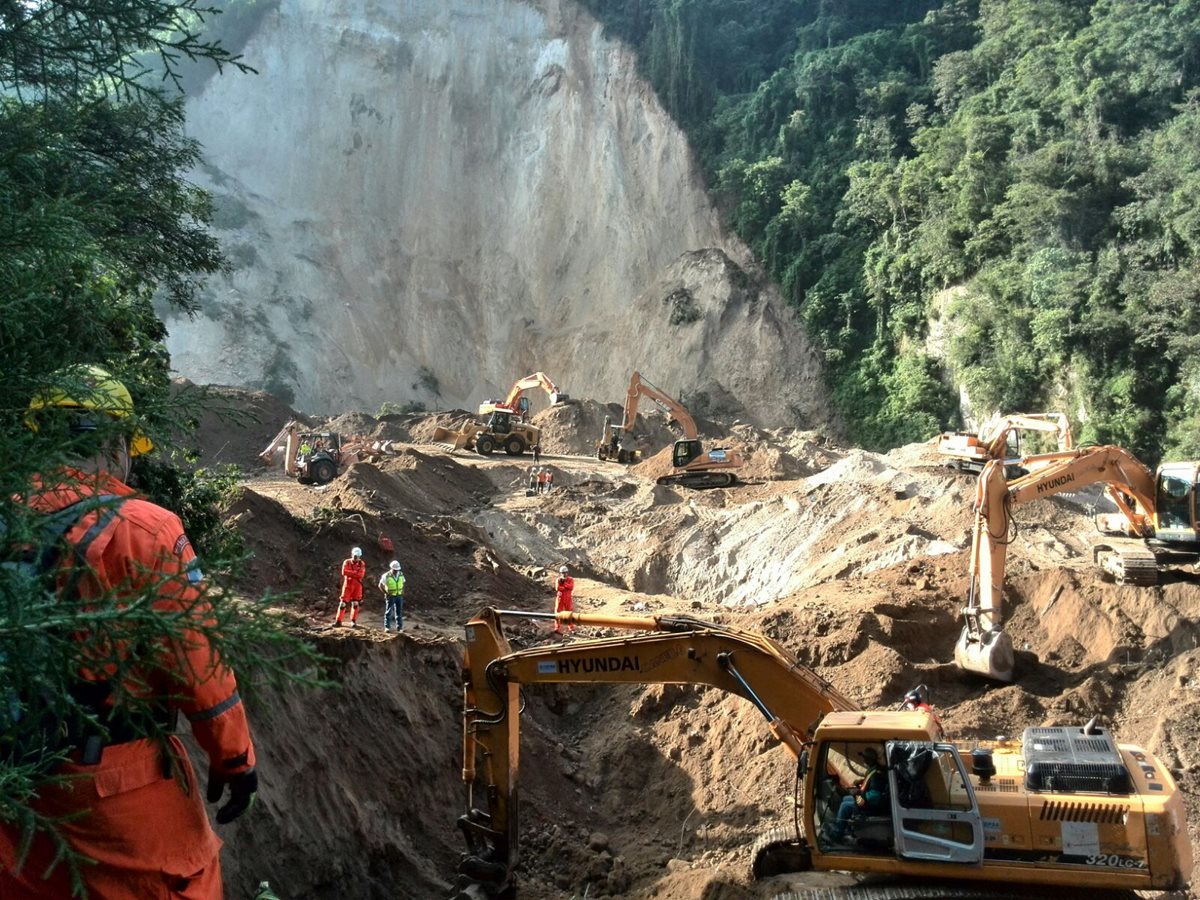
(1063, 806)
(503, 430)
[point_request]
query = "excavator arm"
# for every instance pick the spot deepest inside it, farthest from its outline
(674, 650)
(983, 647)
(638, 388)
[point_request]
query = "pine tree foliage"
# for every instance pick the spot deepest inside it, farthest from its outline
(97, 219)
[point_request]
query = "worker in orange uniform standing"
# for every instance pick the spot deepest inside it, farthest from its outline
(563, 602)
(353, 572)
(130, 803)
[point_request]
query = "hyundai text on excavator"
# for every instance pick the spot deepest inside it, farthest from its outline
(1062, 806)
(516, 403)
(691, 465)
(1000, 439)
(1158, 526)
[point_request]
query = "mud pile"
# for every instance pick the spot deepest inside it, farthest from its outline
(856, 562)
(233, 425)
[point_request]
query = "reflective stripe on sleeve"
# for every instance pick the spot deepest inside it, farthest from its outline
(213, 711)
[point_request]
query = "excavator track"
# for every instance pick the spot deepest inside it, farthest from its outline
(777, 852)
(959, 891)
(1127, 561)
(700, 480)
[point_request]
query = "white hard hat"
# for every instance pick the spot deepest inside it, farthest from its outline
(356, 552)
(394, 565)
(562, 570)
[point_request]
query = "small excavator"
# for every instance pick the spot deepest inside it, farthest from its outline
(1000, 439)
(1157, 527)
(518, 404)
(1062, 806)
(691, 465)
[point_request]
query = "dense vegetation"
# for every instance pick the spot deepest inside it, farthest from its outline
(1002, 194)
(96, 218)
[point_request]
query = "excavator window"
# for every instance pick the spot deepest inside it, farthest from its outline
(685, 451)
(850, 769)
(1175, 502)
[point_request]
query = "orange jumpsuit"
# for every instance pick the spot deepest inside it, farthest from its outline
(353, 572)
(148, 833)
(562, 599)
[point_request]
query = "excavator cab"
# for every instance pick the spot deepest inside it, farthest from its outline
(1178, 513)
(685, 451)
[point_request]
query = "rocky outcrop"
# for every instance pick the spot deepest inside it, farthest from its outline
(424, 201)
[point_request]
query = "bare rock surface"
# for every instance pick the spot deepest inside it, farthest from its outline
(424, 201)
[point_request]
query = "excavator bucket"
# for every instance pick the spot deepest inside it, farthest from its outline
(987, 653)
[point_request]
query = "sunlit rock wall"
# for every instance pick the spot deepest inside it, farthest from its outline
(425, 200)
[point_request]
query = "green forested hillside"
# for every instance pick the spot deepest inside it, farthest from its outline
(1019, 179)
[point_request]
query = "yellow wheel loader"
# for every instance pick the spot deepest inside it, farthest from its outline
(503, 431)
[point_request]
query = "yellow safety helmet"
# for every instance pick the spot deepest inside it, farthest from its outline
(93, 388)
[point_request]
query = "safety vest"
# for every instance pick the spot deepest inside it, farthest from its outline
(393, 584)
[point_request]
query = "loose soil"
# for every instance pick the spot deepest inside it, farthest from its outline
(855, 561)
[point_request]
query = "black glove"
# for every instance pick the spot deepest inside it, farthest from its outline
(243, 788)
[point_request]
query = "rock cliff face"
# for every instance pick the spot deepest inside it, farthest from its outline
(424, 201)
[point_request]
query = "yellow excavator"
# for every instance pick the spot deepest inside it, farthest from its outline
(691, 465)
(1000, 439)
(1062, 806)
(518, 404)
(1157, 527)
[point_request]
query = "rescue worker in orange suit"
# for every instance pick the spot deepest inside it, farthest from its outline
(130, 803)
(562, 598)
(353, 572)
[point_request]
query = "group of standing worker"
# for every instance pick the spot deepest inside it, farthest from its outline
(391, 583)
(541, 480)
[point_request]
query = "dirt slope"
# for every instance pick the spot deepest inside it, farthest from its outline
(856, 562)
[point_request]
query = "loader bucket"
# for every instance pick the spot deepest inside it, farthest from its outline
(988, 653)
(457, 439)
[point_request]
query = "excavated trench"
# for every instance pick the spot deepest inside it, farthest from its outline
(859, 567)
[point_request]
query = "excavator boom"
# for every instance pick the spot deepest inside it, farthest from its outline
(675, 650)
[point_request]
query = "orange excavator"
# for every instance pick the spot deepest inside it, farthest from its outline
(1157, 526)
(692, 466)
(1000, 439)
(516, 403)
(1062, 806)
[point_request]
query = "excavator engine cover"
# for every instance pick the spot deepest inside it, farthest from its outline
(990, 653)
(1071, 759)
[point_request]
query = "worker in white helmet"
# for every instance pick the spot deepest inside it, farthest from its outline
(391, 582)
(353, 572)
